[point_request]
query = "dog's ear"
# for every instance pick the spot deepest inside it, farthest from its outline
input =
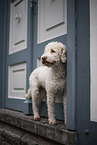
(63, 54)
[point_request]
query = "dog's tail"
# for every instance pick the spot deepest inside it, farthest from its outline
(28, 95)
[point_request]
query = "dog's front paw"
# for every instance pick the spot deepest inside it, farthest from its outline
(52, 121)
(37, 118)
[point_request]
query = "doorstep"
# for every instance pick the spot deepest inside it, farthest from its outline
(41, 130)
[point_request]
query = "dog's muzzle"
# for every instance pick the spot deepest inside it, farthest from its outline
(46, 62)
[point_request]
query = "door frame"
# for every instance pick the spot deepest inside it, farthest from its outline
(3, 53)
(71, 65)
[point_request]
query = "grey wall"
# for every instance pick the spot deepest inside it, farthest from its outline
(2, 39)
(83, 77)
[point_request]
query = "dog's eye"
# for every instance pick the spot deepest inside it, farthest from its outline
(52, 51)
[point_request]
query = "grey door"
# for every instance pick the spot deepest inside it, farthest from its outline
(27, 35)
(17, 53)
(50, 24)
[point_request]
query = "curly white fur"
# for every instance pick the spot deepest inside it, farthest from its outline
(49, 79)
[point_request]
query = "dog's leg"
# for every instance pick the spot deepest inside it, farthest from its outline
(35, 104)
(28, 95)
(65, 105)
(51, 108)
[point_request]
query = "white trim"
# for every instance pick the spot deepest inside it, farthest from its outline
(19, 98)
(93, 60)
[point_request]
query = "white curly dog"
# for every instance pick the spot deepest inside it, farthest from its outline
(50, 79)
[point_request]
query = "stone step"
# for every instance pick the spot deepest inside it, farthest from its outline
(10, 135)
(20, 126)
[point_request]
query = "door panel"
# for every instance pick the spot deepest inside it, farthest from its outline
(52, 19)
(17, 81)
(18, 25)
(54, 10)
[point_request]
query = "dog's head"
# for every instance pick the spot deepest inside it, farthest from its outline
(54, 53)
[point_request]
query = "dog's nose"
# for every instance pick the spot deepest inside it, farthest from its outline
(44, 58)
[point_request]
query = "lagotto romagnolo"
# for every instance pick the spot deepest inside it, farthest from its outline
(49, 80)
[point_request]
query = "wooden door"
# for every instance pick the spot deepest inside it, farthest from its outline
(50, 24)
(17, 53)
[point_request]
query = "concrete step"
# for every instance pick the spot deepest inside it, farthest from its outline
(10, 135)
(18, 128)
